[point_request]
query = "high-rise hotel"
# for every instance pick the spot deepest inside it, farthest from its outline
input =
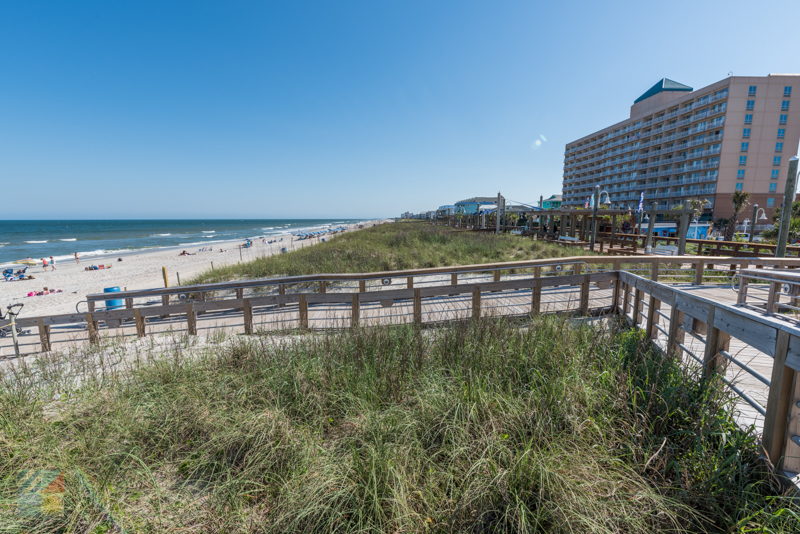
(680, 143)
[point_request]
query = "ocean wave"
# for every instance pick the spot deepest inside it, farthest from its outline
(36, 242)
(160, 235)
(208, 231)
(69, 239)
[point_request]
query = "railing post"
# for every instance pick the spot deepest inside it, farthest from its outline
(410, 282)
(191, 320)
(44, 335)
(676, 334)
(652, 317)
(91, 325)
(698, 273)
(779, 401)
(741, 298)
(626, 301)
(240, 293)
(362, 286)
(773, 297)
(247, 315)
(355, 311)
(303, 305)
(536, 296)
(637, 306)
(716, 341)
(417, 307)
(584, 307)
(476, 302)
(615, 294)
(497, 275)
(323, 286)
(654, 270)
(139, 320)
(791, 443)
(281, 292)
(453, 279)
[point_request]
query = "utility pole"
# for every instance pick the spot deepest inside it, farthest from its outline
(753, 229)
(683, 229)
(786, 210)
(648, 245)
(497, 215)
(594, 216)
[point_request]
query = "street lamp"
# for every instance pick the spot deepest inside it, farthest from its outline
(756, 211)
(596, 203)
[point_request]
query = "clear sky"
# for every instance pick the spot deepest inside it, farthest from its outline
(336, 108)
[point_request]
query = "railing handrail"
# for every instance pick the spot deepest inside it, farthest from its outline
(483, 267)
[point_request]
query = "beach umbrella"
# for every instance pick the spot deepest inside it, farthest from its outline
(27, 262)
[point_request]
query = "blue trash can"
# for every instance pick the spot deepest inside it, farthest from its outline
(114, 304)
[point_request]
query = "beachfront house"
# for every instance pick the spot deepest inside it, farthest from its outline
(552, 203)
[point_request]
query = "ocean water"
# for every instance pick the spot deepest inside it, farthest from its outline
(61, 239)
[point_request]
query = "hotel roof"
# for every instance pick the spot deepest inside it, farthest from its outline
(664, 84)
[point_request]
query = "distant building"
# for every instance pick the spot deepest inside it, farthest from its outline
(471, 206)
(552, 203)
(736, 134)
(446, 210)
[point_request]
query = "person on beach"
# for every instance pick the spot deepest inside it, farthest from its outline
(52, 263)
(77, 257)
(44, 264)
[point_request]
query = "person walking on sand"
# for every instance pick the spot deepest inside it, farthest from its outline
(52, 263)
(77, 258)
(44, 264)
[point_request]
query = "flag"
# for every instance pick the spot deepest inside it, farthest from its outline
(591, 201)
(641, 202)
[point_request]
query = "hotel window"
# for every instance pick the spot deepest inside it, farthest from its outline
(744, 147)
(752, 90)
(775, 174)
(748, 119)
(740, 174)
(782, 119)
(785, 105)
(779, 147)
(773, 187)
(781, 133)
(742, 160)
(770, 202)
(746, 133)
(787, 91)
(776, 160)
(751, 105)
(739, 186)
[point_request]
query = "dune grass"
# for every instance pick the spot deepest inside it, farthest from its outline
(400, 245)
(482, 427)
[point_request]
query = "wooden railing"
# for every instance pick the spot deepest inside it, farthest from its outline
(294, 295)
(703, 247)
(713, 327)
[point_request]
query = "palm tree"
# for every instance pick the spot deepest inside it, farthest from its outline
(740, 200)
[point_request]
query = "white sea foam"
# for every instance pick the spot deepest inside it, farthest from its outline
(209, 231)
(36, 242)
(160, 235)
(69, 239)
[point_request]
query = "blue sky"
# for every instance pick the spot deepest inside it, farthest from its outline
(335, 109)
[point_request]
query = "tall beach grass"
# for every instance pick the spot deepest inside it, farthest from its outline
(486, 426)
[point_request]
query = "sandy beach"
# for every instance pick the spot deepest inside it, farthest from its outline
(138, 270)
